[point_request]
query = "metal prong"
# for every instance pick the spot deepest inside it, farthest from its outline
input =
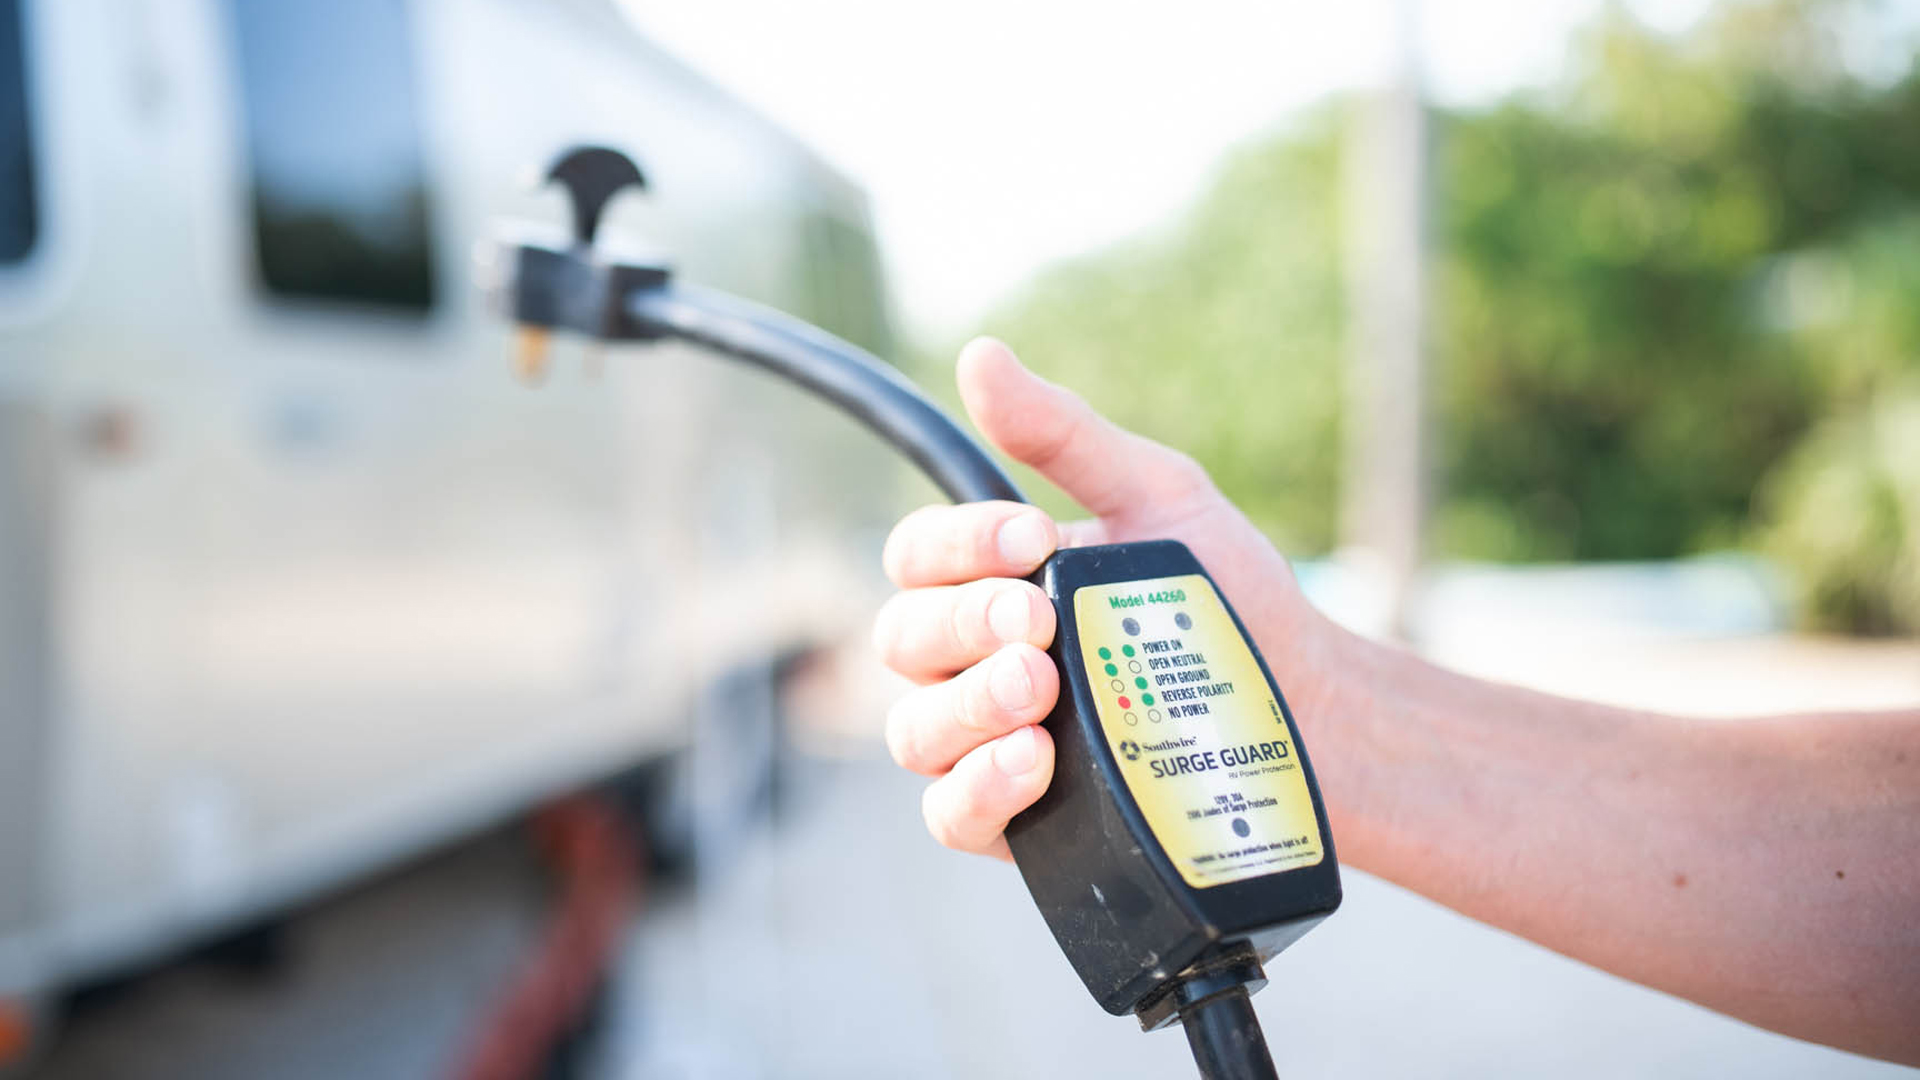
(532, 354)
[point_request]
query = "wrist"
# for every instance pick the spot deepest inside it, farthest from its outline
(1339, 686)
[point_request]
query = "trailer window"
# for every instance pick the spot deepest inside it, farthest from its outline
(333, 145)
(19, 210)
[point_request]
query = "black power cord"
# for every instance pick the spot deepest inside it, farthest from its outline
(863, 386)
(573, 287)
(1213, 1004)
(1226, 1039)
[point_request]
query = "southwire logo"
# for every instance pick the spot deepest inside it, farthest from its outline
(1171, 744)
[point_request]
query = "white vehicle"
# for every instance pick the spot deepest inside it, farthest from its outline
(297, 578)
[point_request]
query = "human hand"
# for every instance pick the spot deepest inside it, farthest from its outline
(972, 633)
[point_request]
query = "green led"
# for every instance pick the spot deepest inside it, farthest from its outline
(1111, 670)
(1140, 682)
(1107, 654)
(1148, 698)
(1128, 649)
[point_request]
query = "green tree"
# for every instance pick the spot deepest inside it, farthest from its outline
(1680, 277)
(1614, 377)
(1222, 336)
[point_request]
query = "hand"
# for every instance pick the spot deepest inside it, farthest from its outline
(972, 633)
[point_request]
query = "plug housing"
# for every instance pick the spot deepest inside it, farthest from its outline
(1183, 833)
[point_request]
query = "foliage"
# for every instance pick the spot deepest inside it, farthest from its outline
(1614, 379)
(1222, 337)
(1652, 283)
(1845, 513)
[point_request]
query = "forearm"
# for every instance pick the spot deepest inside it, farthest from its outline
(1764, 868)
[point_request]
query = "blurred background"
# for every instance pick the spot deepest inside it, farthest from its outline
(381, 696)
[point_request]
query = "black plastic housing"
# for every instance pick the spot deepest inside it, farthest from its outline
(1125, 918)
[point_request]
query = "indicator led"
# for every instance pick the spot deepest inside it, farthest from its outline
(1148, 698)
(1140, 682)
(1107, 654)
(1128, 649)
(1111, 670)
(1126, 703)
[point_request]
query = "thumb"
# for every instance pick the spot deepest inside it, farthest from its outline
(1105, 468)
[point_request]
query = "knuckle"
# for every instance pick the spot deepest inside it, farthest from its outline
(967, 815)
(1047, 446)
(972, 622)
(972, 708)
(976, 541)
(1185, 472)
(1017, 668)
(901, 555)
(982, 541)
(964, 618)
(964, 812)
(938, 813)
(886, 631)
(892, 734)
(903, 739)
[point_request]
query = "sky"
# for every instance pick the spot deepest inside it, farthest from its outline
(997, 136)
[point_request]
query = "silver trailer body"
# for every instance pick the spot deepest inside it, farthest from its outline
(296, 578)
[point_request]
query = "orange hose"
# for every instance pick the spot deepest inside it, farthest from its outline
(593, 856)
(16, 1032)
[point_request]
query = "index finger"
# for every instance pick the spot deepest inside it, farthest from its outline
(947, 545)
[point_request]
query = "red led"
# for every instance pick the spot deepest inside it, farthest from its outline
(1125, 704)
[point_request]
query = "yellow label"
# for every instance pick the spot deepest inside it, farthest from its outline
(1199, 736)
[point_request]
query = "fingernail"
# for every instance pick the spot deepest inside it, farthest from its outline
(1017, 754)
(1009, 684)
(1009, 616)
(1023, 540)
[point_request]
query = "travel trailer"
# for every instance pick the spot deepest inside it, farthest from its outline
(298, 577)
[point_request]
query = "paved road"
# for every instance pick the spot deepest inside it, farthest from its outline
(848, 945)
(841, 943)
(838, 941)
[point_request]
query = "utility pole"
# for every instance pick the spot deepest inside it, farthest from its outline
(1385, 496)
